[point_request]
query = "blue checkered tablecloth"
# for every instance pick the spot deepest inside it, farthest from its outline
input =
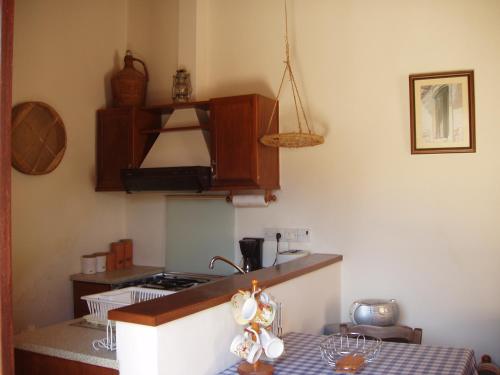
(302, 357)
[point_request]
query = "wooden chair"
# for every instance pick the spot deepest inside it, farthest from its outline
(486, 367)
(390, 333)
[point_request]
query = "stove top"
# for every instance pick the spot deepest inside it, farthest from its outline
(174, 281)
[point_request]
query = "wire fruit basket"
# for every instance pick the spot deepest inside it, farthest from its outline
(101, 303)
(338, 346)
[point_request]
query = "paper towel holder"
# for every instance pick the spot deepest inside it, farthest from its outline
(268, 196)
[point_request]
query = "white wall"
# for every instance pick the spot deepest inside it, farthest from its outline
(422, 229)
(64, 53)
(152, 35)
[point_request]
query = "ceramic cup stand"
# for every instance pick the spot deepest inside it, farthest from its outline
(256, 310)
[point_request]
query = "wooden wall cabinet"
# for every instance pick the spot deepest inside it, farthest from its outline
(122, 142)
(239, 161)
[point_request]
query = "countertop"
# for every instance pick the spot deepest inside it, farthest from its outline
(117, 276)
(192, 300)
(65, 341)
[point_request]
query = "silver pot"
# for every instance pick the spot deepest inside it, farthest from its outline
(375, 312)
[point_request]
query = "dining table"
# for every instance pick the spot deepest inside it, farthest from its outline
(302, 356)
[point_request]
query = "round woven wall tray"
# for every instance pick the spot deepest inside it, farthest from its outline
(38, 138)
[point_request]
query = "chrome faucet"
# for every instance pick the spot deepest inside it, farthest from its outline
(217, 257)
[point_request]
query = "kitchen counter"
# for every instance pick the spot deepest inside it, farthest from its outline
(307, 288)
(117, 276)
(66, 341)
(190, 301)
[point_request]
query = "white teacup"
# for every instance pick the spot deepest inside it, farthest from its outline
(245, 306)
(273, 346)
(265, 313)
(250, 307)
(237, 302)
(264, 297)
(245, 347)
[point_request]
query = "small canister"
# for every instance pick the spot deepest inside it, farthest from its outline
(89, 264)
(128, 246)
(119, 250)
(111, 261)
(101, 262)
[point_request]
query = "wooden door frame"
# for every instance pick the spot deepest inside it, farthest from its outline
(6, 326)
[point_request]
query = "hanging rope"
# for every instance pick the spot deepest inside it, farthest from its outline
(299, 139)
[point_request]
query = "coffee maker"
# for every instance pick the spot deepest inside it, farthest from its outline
(251, 249)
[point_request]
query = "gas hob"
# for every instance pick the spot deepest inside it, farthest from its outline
(173, 281)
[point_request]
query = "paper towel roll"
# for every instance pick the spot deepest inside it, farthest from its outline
(249, 201)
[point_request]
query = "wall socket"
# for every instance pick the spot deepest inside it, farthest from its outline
(288, 234)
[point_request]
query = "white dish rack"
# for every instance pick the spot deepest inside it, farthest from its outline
(99, 304)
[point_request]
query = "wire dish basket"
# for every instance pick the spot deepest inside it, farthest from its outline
(339, 345)
(99, 304)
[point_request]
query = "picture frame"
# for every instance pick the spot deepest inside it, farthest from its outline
(442, 112)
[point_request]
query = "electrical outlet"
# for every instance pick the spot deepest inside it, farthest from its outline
(270, 234)
(303, 235)
(290, 235)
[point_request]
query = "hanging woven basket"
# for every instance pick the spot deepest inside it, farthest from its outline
(292, 140)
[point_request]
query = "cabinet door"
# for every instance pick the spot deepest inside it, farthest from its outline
(114, 147)
(81, 289)
(29, 363)
(234, 141)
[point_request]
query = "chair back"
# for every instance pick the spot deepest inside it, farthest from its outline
(486, 367)
(390, 333)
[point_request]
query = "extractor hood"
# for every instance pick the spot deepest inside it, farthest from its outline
(179, 160)
(167, 179)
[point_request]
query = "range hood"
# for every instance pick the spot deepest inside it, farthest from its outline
(179, 160)
(167, 179)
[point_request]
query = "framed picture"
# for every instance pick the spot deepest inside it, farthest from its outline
(442, 112)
